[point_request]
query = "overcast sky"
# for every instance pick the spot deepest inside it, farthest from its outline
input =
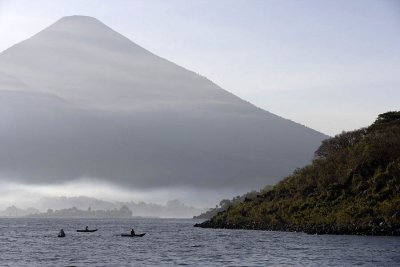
(330, 65)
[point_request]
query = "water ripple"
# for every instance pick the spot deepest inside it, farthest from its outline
(34, 242)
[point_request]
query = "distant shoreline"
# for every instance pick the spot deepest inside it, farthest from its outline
(101, 218)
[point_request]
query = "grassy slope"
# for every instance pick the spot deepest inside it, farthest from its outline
(351, 187)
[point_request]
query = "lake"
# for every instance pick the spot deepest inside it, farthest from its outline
(172, 242)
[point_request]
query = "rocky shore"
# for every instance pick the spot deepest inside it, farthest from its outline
(330, 229)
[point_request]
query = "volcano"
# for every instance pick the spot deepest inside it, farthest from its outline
(80, 100)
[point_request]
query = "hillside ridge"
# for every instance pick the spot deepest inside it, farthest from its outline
(351, 187)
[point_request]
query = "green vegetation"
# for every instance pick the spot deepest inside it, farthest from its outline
(351, 187)
(226, 203)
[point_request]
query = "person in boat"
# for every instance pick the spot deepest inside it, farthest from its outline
(132, 232)
(61, 232)
(87, 228)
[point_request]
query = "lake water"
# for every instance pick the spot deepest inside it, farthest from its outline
(172, 242)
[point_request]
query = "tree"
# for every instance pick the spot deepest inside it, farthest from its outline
(388, 117)
(343, 140)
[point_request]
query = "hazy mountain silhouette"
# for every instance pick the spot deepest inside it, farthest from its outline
(171, 209)
(80, 100)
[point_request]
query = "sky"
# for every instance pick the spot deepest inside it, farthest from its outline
(329, 65)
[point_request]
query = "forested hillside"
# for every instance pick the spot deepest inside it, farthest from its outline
(351, 187)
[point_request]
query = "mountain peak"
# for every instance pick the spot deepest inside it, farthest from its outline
(84, 61)
(78, 21)
(78, 24)
(78, 18)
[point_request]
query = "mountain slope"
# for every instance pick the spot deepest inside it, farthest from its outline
(80, 100)
(352, 187)
(83, 60)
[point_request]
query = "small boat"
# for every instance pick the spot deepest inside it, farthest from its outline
(129, 235)
(61, 233)
(87, 231)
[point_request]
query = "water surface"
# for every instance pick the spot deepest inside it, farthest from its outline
(172, 242)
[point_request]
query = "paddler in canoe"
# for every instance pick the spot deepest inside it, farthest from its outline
(133, 234)
(87, 230)
(61, 233)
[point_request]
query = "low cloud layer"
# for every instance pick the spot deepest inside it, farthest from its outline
(43, 196)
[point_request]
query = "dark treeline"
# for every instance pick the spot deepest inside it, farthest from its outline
(351, 187)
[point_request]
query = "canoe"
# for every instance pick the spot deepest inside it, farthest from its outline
(129, 235)
(60, 235)
(87, 231)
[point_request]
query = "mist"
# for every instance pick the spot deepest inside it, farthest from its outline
(41, 196)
